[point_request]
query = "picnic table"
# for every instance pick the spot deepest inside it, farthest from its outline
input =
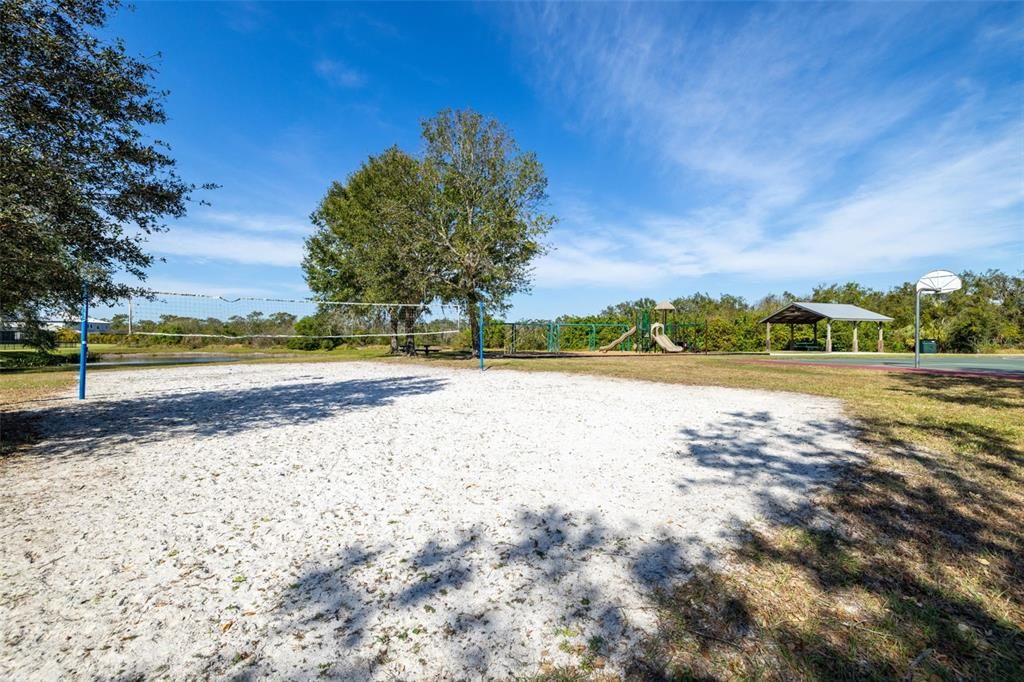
(411, 349)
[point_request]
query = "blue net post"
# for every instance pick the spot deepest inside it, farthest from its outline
(83, 347)
(481, 323)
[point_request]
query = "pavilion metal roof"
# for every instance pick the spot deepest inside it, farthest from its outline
(808, 312)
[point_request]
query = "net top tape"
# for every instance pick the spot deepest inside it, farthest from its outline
(314, 301)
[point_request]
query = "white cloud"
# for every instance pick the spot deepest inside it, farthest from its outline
(802, 146)
(228, 246)
(339, 74)
(257, 222)
(177, 285)
(933, 206)
(235, 237)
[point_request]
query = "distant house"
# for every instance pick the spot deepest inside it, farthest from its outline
(17, 332)
(96, 325)
(12, 332)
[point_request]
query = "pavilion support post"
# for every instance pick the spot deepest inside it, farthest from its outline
(791, 339)
(881, 343)
(768, 337)
(856, 348)
(828, 336)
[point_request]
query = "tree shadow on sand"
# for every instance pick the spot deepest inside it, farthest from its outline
(378, 612)
(750, 447)
(101, 426)
(371, 612)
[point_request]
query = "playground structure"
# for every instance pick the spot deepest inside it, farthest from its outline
(664, 342)
(620, 340)
(642, 336)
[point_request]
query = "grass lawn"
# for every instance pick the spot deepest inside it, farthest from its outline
(18, 389)
(913, 567)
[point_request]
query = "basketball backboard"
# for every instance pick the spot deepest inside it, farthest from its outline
(939, 282)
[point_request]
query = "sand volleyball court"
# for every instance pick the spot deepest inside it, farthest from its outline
(355, 519)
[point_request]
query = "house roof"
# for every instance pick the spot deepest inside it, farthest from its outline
(808, 312)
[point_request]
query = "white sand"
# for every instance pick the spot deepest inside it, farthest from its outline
(355, 520)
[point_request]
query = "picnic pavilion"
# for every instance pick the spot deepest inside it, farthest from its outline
(809, 312)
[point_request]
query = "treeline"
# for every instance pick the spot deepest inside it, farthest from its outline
(323, 330)
(986, 315)
(193, 332)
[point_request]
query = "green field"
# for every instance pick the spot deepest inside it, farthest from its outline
(918, 576)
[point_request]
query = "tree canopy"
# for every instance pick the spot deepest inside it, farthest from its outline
(368, 245)
(82, 183)
(461, 224)
(485, 218)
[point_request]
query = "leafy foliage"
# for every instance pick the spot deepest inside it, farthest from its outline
(368, 244)
(82, 184)
(485, 218)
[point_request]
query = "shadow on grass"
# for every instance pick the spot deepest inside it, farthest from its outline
(990, 392)
(912, 569)
(100, 425)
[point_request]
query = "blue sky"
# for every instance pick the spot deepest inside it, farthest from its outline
(721, 148)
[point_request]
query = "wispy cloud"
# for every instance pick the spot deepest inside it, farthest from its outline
(234, 247)
(340, 74)
(246, 17)
(257, 222)
(180, 285)
(930, 208)
(235, 237)
(824, 141)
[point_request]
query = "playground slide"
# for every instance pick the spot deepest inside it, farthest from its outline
(666, 343)
(610, 346)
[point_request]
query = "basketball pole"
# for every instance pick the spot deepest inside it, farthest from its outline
(917, 329)
(938, 282)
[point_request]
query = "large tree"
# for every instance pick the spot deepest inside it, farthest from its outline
(485, 217)
(81, 181)
(368, 244)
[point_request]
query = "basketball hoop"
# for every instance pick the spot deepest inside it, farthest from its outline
(940, 283)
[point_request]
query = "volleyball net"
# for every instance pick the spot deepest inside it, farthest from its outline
(202, 317)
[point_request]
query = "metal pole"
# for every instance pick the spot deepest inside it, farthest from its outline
(129, 316)
(917, 330)
(83, 346)
(481, 335)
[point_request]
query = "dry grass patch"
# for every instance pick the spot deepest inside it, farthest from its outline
(18, 389)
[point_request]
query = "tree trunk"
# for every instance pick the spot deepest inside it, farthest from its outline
(394, 333)
(409, 315)
(474, 324)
